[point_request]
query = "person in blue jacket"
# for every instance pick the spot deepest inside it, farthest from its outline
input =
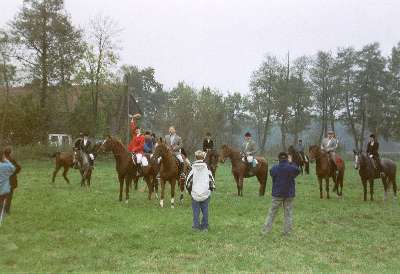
(6, 170)
(283, 192)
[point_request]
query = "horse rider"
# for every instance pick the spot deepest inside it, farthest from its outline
(299, 148)
(329, 145)
(136, 146)
(83, 144)
(174, 143)
(373, 153)
(248, 150)
(148, 143)
(208, 143)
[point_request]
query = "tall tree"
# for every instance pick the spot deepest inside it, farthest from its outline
(263, 84)
(7, 75)
(100, 56)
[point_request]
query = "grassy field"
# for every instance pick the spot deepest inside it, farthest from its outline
(60, 228)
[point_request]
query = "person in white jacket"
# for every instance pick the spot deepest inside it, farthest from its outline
(199, 184)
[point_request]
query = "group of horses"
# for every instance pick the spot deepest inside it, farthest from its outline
(163, 168)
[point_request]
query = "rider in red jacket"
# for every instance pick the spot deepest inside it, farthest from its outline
(136, 146)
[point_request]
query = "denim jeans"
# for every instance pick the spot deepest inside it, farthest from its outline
(197, 207)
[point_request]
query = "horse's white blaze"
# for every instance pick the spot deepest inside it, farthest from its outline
(356, 161)
(162, 203)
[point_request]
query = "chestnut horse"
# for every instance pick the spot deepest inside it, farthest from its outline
(169, 171)
(368, 173)
(149, 175)
(63, 160)
(126, 170)
(325, 170)
(211, 160)
(66, 160)
(239, 168)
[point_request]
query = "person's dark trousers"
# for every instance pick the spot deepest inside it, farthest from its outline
(3, 198)
(197, 207)
(8, 202)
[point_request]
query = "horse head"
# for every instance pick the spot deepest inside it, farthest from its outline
(106, 145)
(314, 151)
(160, 149)
(357, 158)
(212, 159)
(224, 153)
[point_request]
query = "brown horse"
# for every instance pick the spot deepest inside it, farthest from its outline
(66, 160)
(149, 175)
(126, 170)
(63, 160)
(299, 160)
(169, 171)
(325, 170)
(212, 159)
(240, 168)
(368, 173)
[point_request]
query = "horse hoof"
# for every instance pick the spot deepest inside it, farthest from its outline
(172, 206)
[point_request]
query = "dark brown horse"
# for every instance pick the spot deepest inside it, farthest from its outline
(149, 174)
(126, 170)
(368, 173)
(212, 159)
(299, 160)
(325, 170)
(169, 171)
(240, 168)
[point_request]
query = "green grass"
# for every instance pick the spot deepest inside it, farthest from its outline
(60, 228)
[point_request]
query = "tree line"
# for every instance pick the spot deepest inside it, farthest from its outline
(75, 83)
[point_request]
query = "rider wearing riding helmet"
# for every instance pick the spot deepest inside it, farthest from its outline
(373, 153)
(329, 145)
(84, 145)
(249, 149)
(299, 147)
(208, 143)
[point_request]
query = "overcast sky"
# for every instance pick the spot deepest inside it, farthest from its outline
(218, 43)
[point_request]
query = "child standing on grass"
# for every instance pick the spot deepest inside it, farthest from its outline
(6, 170)
(199, 184)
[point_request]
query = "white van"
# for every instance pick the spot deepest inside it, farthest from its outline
(59, 140)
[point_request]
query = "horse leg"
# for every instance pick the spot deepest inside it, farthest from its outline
(321, 194)
(121, 186)
(385, 187)
(394, 185)
(364, 182)
(241, 186)
(173, 182)
(327, 187)
(263, 182)
(155, 186)
(128, 182)
(162, 192)
(371, 189)
(65, 174)
(237, 184)
(136, 182)
(55, 173)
